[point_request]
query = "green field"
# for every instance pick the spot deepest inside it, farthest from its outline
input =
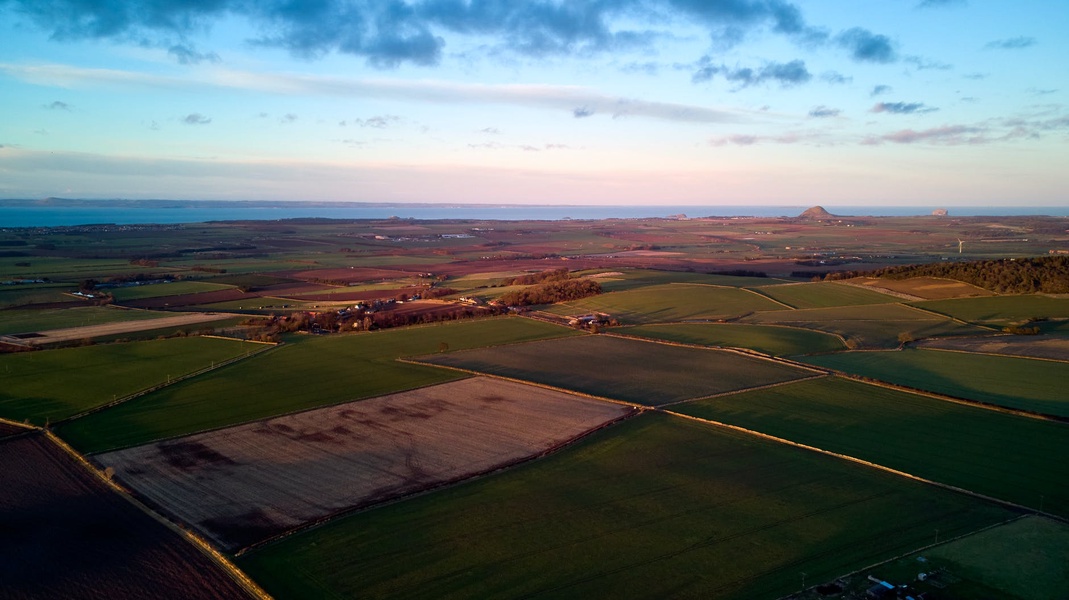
(1000, 309)
(770, 339)
(25, 321)
(873, 326)
(635, 278)
(655, 507)
(313, 371)
(34, 293)
(822, 295)
(1021, 383)
(671, 302)
(55, 384)
(138, 292)
(968, 447)
(631, 370)
(1027, 559)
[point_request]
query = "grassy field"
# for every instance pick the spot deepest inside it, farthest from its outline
(873, 326)
(25, 321)
(770, 339)
(822, 295)
(56, 384)
(929, 288)
(175, 288)
(1000, 309)
(312, 372)
(1027, 559)
(1022, 383)
(671, 302)
(964, 446)
(624, 369)
(33, 293)
(628, 279)
(654, 507)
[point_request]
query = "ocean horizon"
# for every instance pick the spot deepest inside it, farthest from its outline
(126, 212)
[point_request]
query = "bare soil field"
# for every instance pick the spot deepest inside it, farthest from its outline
(181, 300)
(7, 430)
(1056, 348)
(924, 288)
(243, 484)
(67, 536)
(353, 296)
(91, 331)
(349, 275)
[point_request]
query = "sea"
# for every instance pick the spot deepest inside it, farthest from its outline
(29, 214)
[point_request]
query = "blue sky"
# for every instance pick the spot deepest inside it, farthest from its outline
(891, 102)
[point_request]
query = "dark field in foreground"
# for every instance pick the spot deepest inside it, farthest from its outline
(631, 370)
(65, 535)
(655, 507)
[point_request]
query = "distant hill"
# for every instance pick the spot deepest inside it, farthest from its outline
(816, 212)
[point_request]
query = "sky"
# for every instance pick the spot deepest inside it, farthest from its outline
(707, 102)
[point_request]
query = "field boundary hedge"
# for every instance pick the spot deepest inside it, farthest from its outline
(744, 390)
(870, 464)
(929, 311)
(996, 354)
(767, 297)
(207, 549)
(741, 351)
(946, 397)
(170, 382)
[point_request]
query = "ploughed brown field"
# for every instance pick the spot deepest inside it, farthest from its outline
(246, 483)
(924, 288)
(9, 430)
(65, 535)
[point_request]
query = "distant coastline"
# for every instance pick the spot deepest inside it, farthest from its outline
(55, 212)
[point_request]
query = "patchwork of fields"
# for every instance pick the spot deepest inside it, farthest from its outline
(660, 452)
(654, 507)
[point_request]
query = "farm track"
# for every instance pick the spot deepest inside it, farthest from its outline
(264, 347)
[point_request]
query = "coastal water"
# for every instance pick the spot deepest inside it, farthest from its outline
(28, 215)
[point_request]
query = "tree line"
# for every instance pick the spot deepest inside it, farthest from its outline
(1044, 274)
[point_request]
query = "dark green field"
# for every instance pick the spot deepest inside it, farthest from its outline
(56, 384)
(655, 507)
(175, 288)
(968, 447)
(313, 371)
(25, 321)
(1021, 383)
(823, 295)
(770, 339)
(672, 302)
(868, 326)
(1000, 308)
(624, 369)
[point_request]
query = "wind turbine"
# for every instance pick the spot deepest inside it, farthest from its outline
(960, 244)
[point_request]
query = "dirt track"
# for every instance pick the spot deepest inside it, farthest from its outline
(90, 331)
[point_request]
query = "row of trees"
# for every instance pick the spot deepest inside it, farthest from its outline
(549, 292)
(1045, 274)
